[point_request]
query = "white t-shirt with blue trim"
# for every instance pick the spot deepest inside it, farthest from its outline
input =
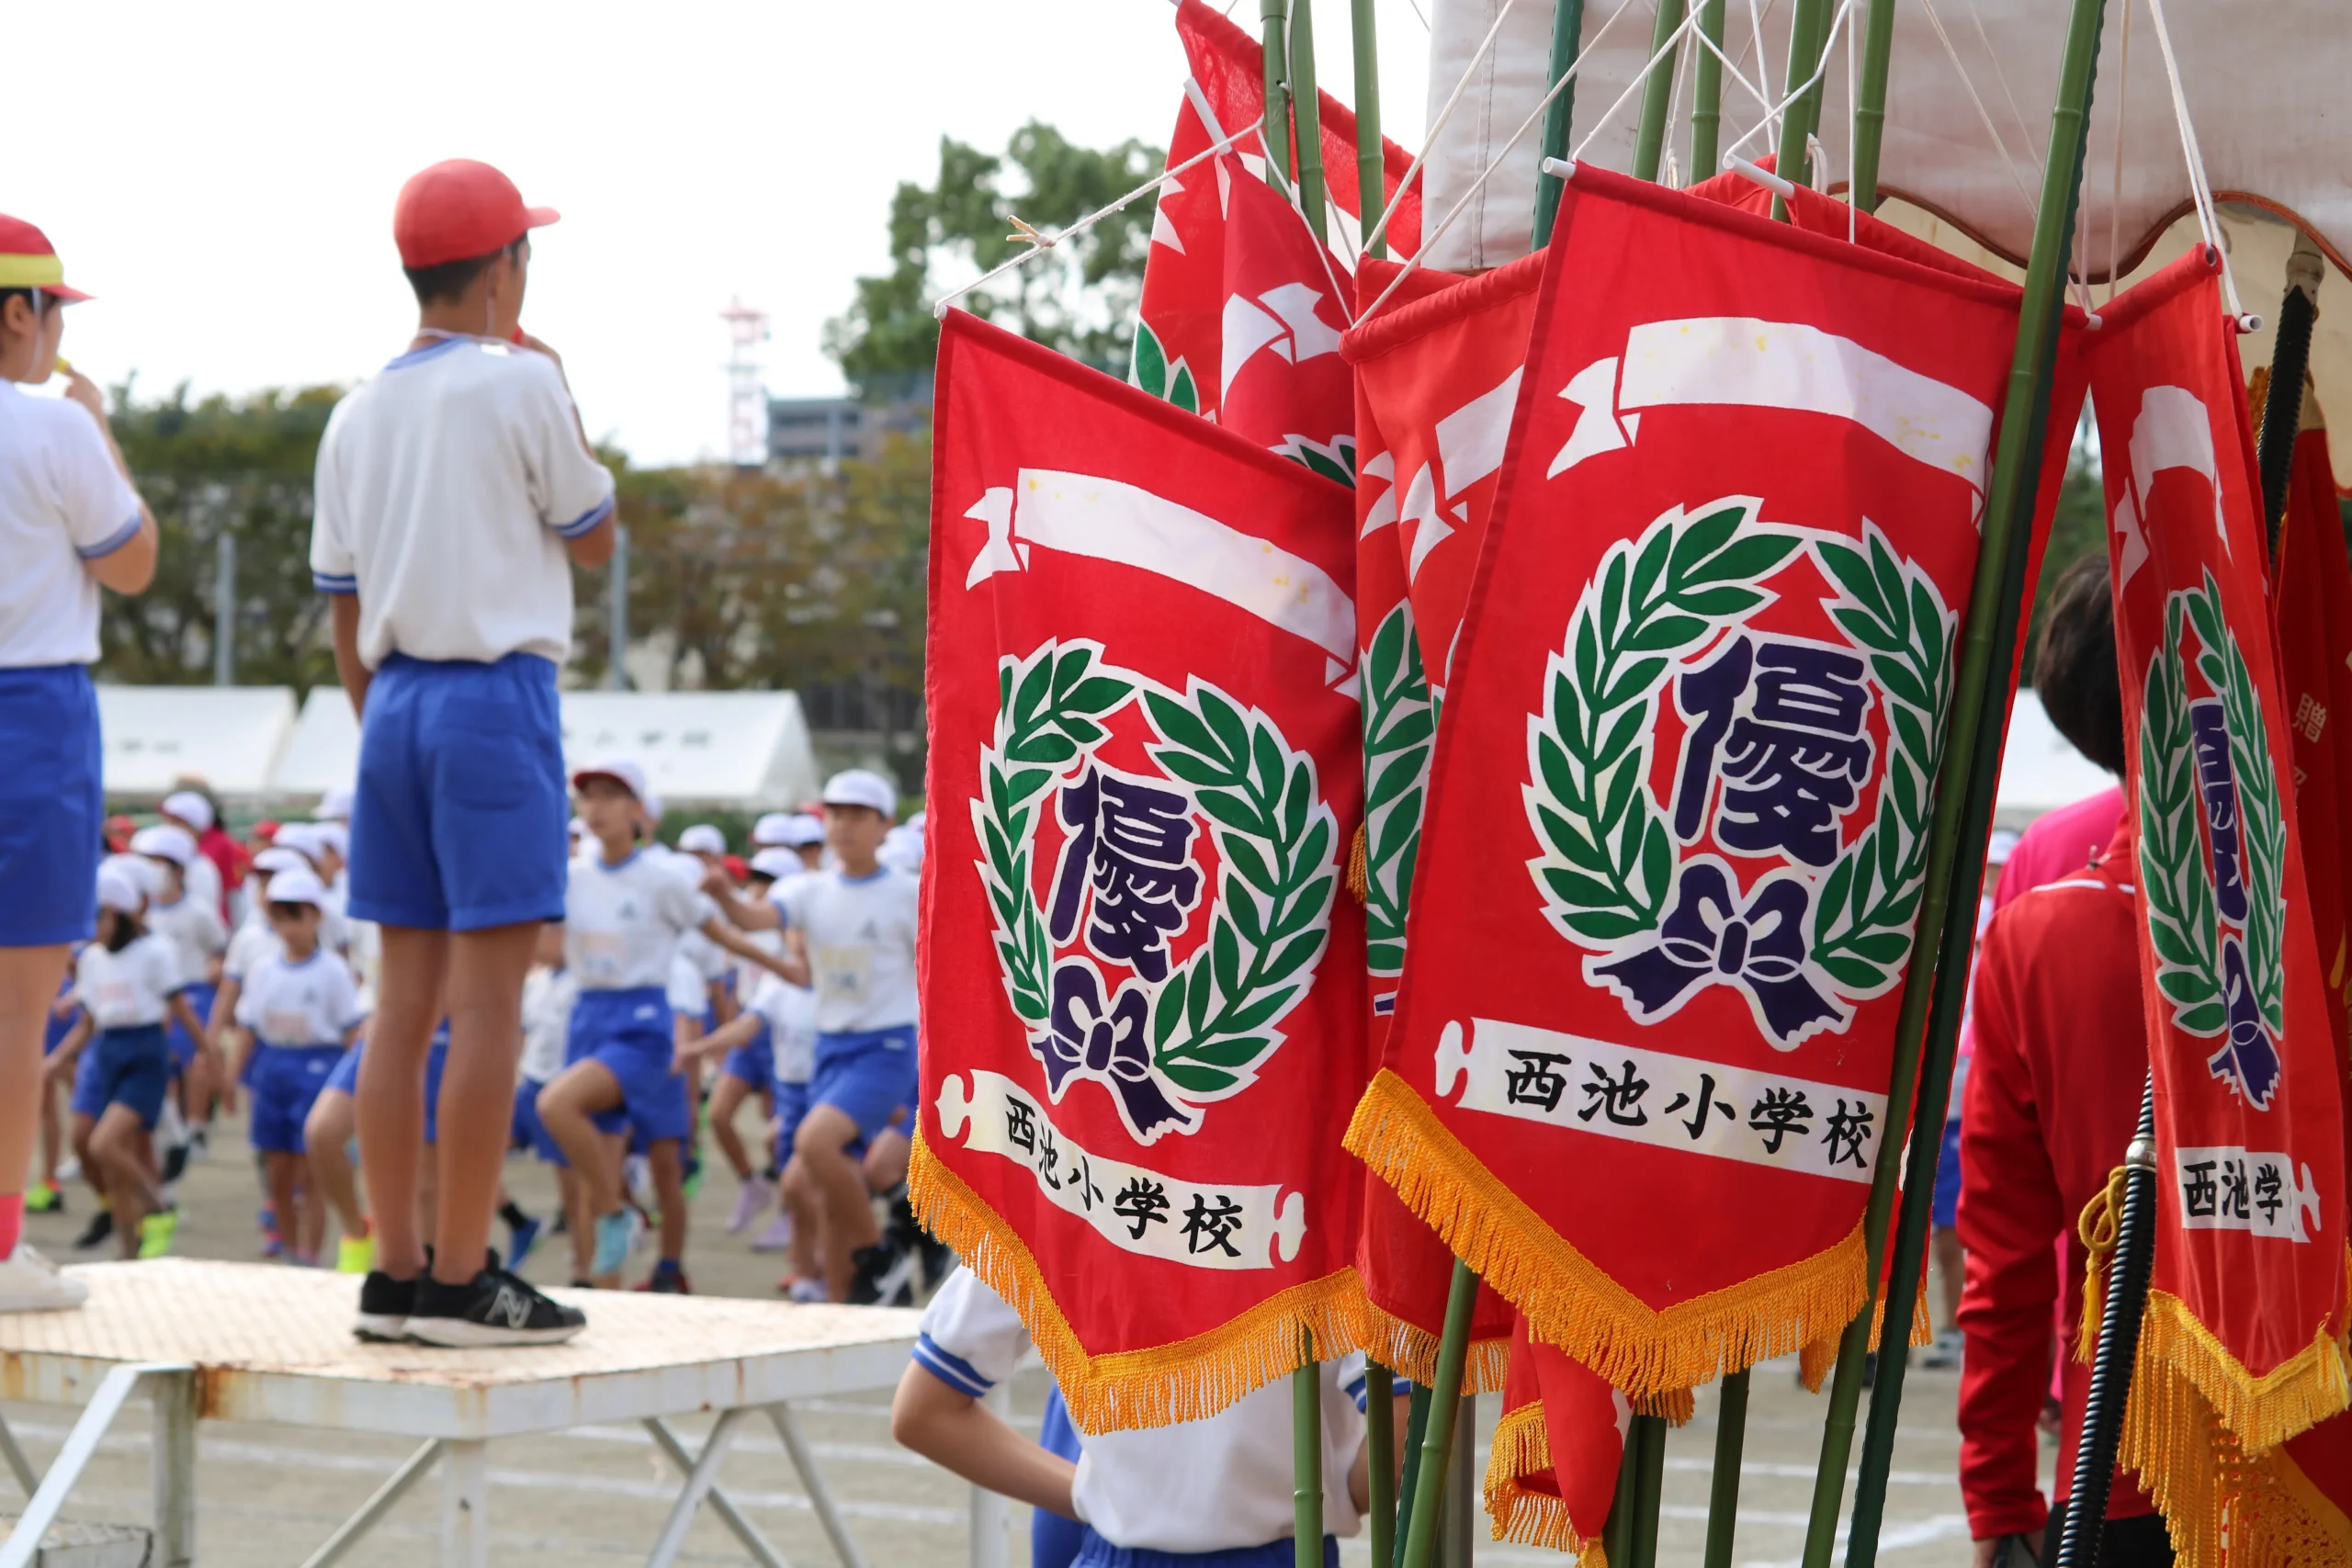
(446, 485)
(314, 1002)
(1220, 1484)
(860, 934)
(63, 503)
(622, 923)
(128, 990)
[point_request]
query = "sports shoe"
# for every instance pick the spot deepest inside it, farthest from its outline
(354, 1255)
(1944, 1354)
(385, 1304)
(777, 1237)
(800, 1288)
(884, 1275)
(637, 1179)
(44, 1198)
(521, 1238)
(29, 1282)
(751, 1199)
(155, 1233)
(71, 1170)
(94, 1234)
(615, 1233)
(668, 1279)
(495, 1308)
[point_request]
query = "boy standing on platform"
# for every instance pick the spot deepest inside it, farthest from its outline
(451, 488)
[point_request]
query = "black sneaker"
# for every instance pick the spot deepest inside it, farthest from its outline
(884, 1275)
(385, 1304)
(96, 1233)
(495, 1308)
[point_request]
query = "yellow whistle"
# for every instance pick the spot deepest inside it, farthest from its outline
(65, 367)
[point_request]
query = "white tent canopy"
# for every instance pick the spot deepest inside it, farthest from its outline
(745, 751)
(228, 737)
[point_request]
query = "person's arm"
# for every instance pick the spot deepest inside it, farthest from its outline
(963, 1437)
(745, 914)
(224, 1006)
(186, 1017)
(349, 668)
(787, 965)
(739, 1031)
(117, 543)
(59, 1067)
(2010, 1216)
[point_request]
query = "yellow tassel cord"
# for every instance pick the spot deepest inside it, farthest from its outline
(1360, 866)
(1570, 1303)
(2097, 1228)
(1817, 1359)
(1521, 1514)
(1411, 1351)
(1156, 1387)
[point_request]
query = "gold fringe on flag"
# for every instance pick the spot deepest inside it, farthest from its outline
(1164, 1385)
(1569, 1302)
(1521, 1513)
(1819, 1358)
(1411, 1351)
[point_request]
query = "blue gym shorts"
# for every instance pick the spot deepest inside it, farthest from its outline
(200, 997)
(345, 1079)
(52, 812)
(458, 821)
(57, 1027)
(124, 1067)
(626, 1033)
(287, 1081)
(865, 1075)
(1945, 1210)
(529, 1130)
(754, 1064)
(791, 1105)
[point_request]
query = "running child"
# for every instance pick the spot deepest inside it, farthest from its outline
(69, 521)
(302, 1009)
(785, 1015)
(858, 923)
(192, 926)
(452, 486)
(193, 812)
(128, 983)
(623, 917)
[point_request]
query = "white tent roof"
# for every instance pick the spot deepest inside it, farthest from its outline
(229, 737)
(2040, 770)
(743, 750)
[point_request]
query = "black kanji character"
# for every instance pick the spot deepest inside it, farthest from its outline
(1049, 1158)
(1020, 1125)
(1619, 1100)
(1141, 1202)
(1847, 1133)
(1537, 1081)
(1206, 1227)
(1081, 1182)
(2198, 1192)
(2234, 1192)
(1131, 843)
(1782, 1111)
(1707, 1105)
(2269, 1191)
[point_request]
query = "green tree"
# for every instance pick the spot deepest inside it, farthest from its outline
(1080, 298)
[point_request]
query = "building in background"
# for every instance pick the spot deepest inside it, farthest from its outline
(828, 430)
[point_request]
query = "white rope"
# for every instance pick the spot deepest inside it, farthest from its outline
(1763, 67)
(1045, 242)
(1689, 23)
(1984, 116)
(1417, 14)
(1762, 95)
(2115, 201)
(2208, 218)
(1853, 136)
(1380, 229)
(1838, 21)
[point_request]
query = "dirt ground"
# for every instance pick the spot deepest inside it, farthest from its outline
(271, 1495)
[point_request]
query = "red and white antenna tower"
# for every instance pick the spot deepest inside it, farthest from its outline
(747, 398)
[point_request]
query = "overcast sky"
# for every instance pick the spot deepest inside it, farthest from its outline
(222, 175)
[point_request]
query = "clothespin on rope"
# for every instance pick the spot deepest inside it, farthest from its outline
(1023, 229)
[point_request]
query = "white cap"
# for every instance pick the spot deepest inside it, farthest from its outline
(620, 770)
(769, 829)
(278, 858)
(117, 890)
(296, 887)
(189, 807)
(144, 874)
(303, 839)
(330, 834)
(775, 865)
(788, 829)
(652, 803)
(334, 807)
(703, 839)
(862, 787)
(166, 841)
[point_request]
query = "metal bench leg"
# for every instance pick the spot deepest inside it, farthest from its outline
(765, 1555)
(700, 1477)
(172, 1468)
(18, 1465)
(23, 1544)
(465, 1504)
(812, 1480)
(376, 1507)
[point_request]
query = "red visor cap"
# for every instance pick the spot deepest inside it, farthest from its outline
(28, 261)
(460, 209)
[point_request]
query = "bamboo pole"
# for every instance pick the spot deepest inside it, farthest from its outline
(1956, 837)
(1722, 1496)
(1417, 1426)
(1645, 1454)
(1567, 38)
(1380, 1460)
(1657, 89)
(1307, 107)
(1307, 1456)
(1870, 104)
(1273, 17)
(1421, 1531)
(1617, 1534)
(1707, 93)
(1807, 28)
(1372, 162)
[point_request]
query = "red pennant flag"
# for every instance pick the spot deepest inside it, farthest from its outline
(1140, 975)
(2240, 1346)
(1678, 824)
(1283, 384)
(1551, 1473)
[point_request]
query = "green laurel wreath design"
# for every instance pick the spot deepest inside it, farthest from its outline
(2223, 664)
(2182, 920)
(1152, 372)
(1862, 922)
(1398, 724)
(1212, 1019)
(1655, 598)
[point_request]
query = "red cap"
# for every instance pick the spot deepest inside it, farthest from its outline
(459, 210)
(28, 261)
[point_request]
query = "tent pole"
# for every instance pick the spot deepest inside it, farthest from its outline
(1309, 116)
(1649, 141)
(1956, 837)
(1371, 163)
(1807, 26)
(1870, 104)
(1707, 93)
(1567, 34)
(1273, 17)
(2291, 354)
(1437, 1439)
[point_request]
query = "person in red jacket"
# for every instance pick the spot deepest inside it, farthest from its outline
(2052, 1100)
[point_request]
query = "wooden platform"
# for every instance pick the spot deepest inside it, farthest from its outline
(274, 1344)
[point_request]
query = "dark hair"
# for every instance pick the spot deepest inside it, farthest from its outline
(2074, 672)
(122, 932)
(48, 300)
(449, 281)
(285, 910)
